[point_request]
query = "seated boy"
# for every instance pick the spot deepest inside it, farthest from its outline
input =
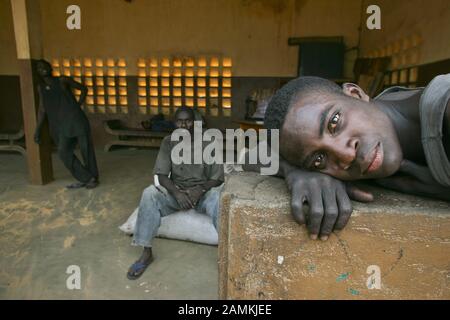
(189, 186)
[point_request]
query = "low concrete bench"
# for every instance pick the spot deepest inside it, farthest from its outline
(10, 141)
(399, 244)
(131, 137)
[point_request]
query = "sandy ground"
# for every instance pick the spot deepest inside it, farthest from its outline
(46, 229)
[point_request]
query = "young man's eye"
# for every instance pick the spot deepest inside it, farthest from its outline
(334, 122)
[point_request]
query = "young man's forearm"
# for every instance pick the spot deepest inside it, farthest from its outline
(211, 184)
(167, 183)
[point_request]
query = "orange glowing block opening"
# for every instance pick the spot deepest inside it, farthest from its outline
(153, 82)
(177, 72)
(201, 103)
(226, 72)
(201, 82)
(142, 92)
(154, 92)
(214, 93)
(189, 82)
(165, 62)
(226, 62)
(112, 101)
(177, 102)
(165, 72)
(226, 103)
(122, 91)
(177, 92)
(101, 100)
(87, 62)
(214, 82)
(214, 62)
(201, 92)
(142, 82)
(202, 62)
(189, 102)
(177, 82)
(226, 93)
(141, 63)
(201, 72)
(166, 92)
(123, 82)
(142, 101)
(189, 72)
(123, 101)
(121, 63)
(165, 82)
(226, 83)
(153, 62)
(122, 72)
(153, 72)
(141, 73)
(154, 101)
(189, 92)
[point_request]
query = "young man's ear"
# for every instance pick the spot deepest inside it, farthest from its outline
(352, 90)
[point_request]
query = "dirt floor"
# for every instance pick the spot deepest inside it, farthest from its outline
(46, 229)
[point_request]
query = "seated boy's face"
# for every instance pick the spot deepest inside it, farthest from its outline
(344, 137)
(184, 120)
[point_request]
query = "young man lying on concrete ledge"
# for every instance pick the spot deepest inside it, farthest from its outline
(330, 136)
(189, 186)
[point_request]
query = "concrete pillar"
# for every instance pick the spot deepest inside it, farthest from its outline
(27, 29)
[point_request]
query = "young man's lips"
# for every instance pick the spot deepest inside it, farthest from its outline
(376, 160)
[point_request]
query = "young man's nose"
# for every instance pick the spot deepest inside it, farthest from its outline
(345, 152)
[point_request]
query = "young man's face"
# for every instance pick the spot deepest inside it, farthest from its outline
(344, 137)
(184, 120)
(43, 69)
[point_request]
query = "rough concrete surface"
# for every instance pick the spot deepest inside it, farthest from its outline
(265, 254)
(45, 229)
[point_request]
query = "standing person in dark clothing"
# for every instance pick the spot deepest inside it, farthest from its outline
(68, 124)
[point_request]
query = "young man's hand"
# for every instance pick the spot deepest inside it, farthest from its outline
(183, 200)
(194, 193)
(328, 199)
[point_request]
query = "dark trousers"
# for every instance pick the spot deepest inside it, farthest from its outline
(66, 151)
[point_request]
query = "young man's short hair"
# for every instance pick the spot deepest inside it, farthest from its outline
(281, 102)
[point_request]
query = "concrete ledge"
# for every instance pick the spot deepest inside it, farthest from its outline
(265, 254)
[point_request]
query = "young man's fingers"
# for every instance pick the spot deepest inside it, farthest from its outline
(330, 213)
(297, 205)
(315, 214)
(358, 194)
(345, 209)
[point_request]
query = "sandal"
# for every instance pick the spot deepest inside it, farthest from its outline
(137, 269)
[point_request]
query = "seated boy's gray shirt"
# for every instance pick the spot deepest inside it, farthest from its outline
(185, 175)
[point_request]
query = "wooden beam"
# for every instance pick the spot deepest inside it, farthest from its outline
(26, 17)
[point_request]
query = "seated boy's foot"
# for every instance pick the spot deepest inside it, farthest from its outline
(91, 184)
(76, 185)
(138, 268)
